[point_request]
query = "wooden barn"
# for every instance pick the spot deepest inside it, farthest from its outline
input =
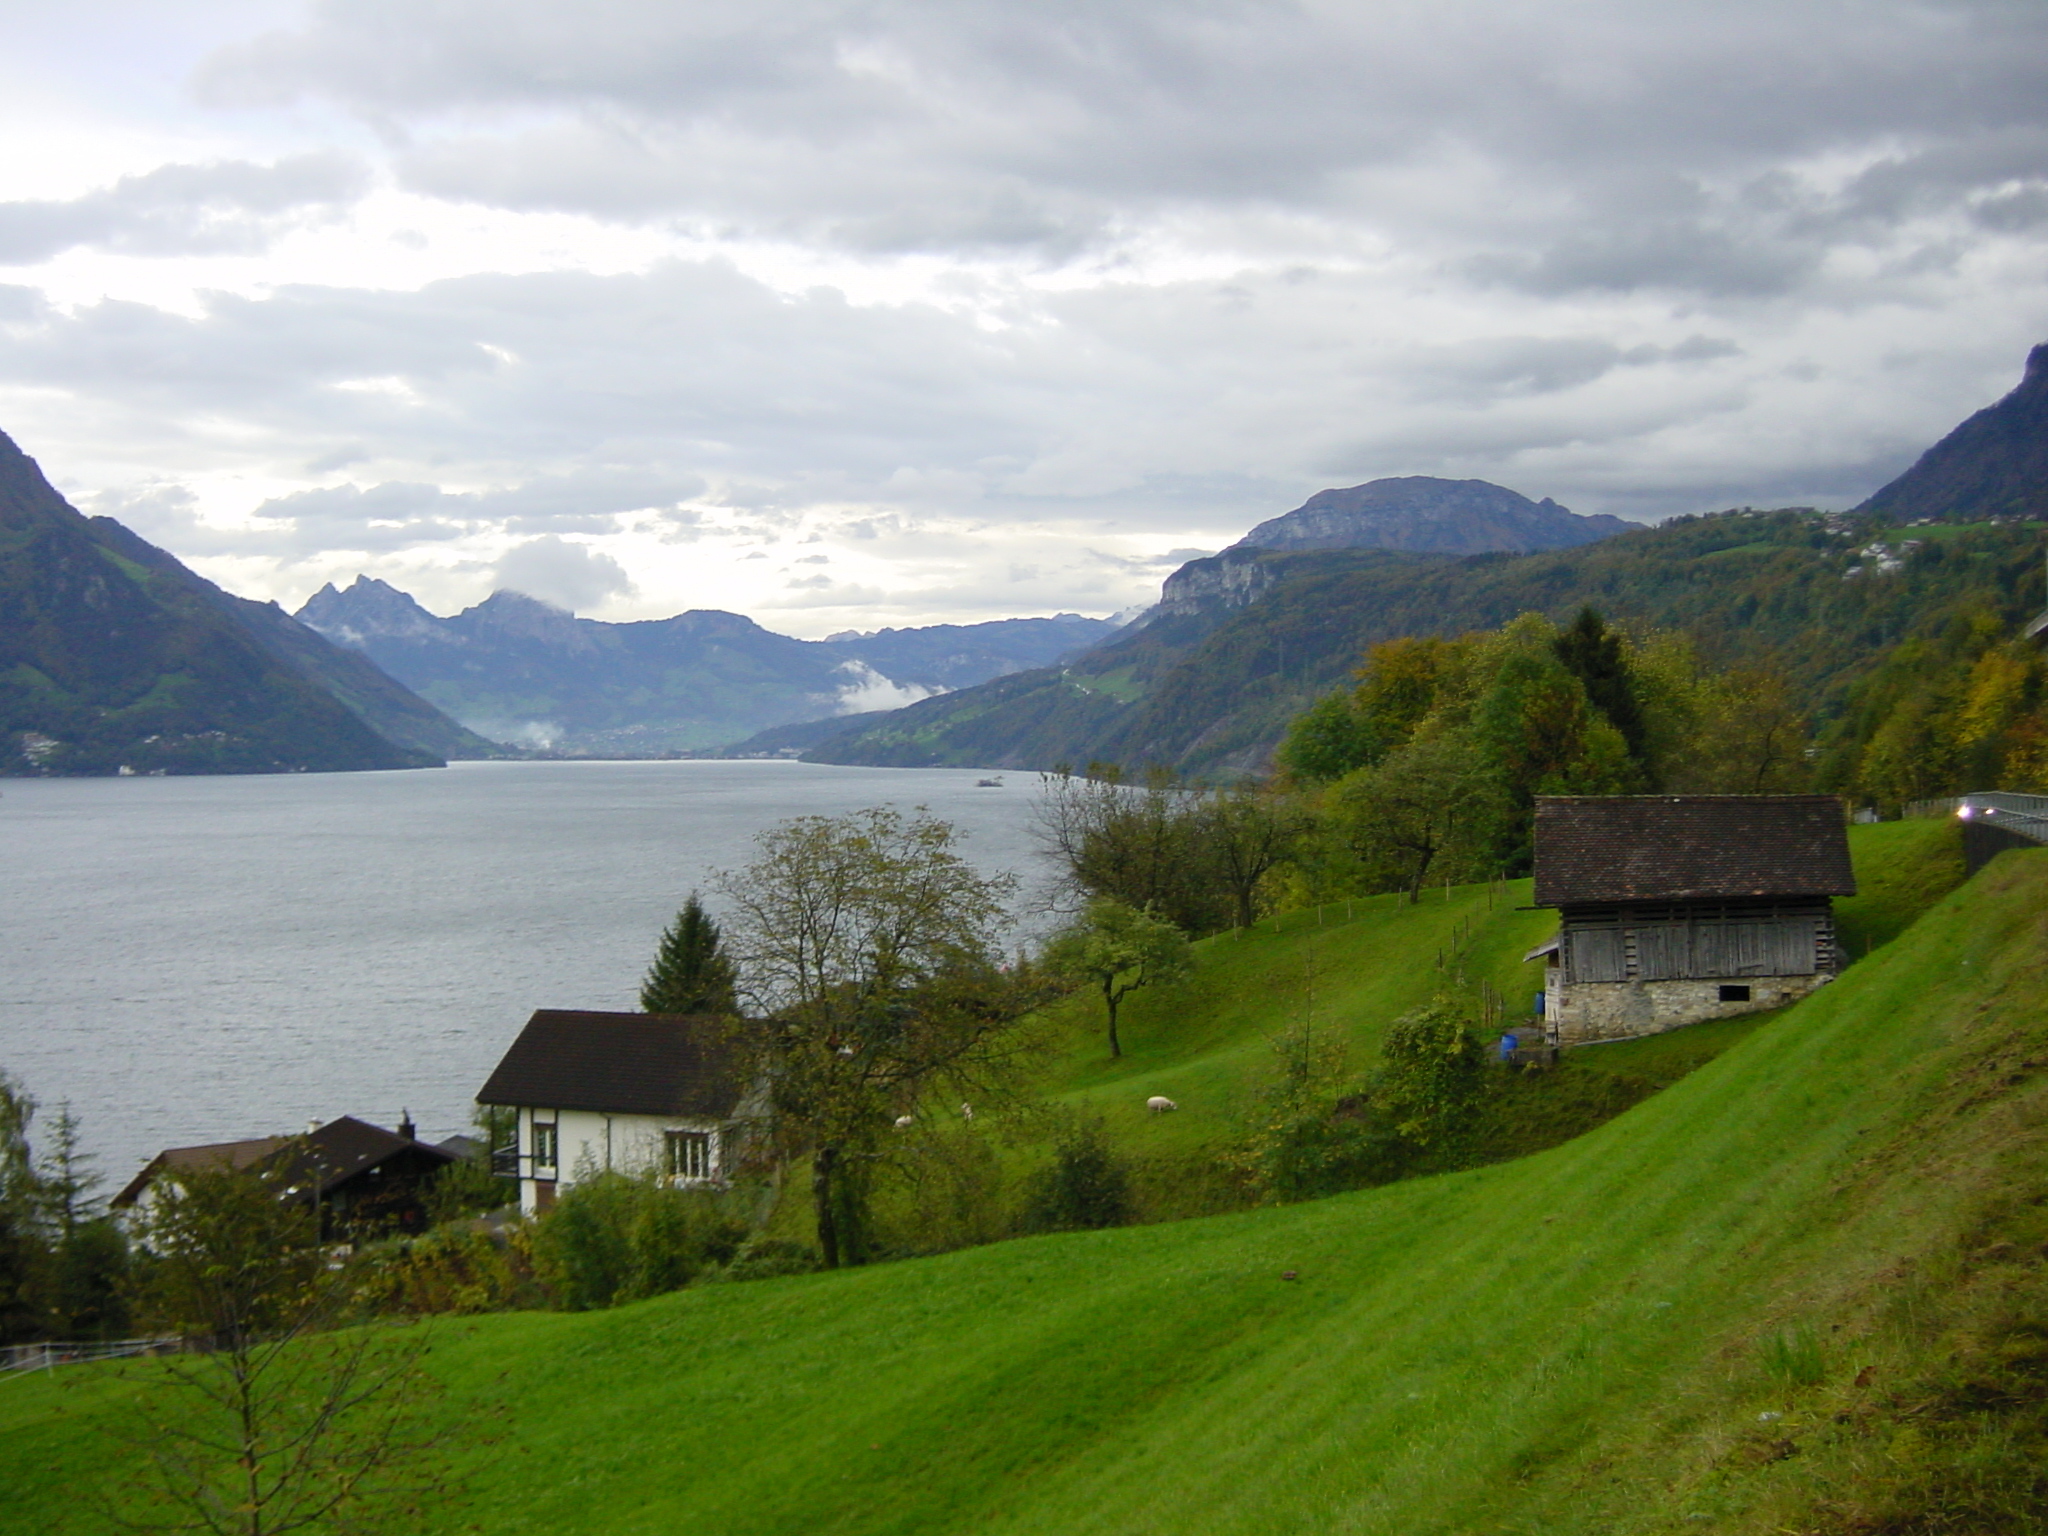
(1678, 908)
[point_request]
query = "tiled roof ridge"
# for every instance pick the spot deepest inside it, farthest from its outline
(1676, 847)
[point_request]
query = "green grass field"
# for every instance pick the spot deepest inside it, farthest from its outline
(1578, 1341)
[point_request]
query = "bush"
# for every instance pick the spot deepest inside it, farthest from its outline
(613, 1238)
(453, 1269)
(1433, 1075)
(1353, 1148)
(769, 1258)
(1085, 1186)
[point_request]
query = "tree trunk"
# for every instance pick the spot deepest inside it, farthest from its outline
(823, 1162)
(1112, 998)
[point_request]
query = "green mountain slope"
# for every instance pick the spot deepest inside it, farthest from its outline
(113, 656)
(1211, 690)
(1249, 638)
(1803, 1289)
(390, 709)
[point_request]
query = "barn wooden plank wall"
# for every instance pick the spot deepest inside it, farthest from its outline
(1677, 943)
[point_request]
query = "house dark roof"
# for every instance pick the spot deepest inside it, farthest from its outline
(333, 1153)
(1689, 848)
(618, 1064)
(343, 1148)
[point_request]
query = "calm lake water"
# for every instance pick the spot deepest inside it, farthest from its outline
(201, 959)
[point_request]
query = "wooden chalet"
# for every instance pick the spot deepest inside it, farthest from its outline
(362, 1180)
(633, 1092)
(1678, 908)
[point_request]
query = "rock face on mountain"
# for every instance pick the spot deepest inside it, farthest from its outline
(1430, 516)
(114, 658)
(518, 669)
(1993, 465)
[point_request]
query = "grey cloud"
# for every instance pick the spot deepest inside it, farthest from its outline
(690, 365)
(394, 514)
(1507, 366)
(571, 576)
(2021, 209)
(223, 207)
(1680, 254)
(971, 124)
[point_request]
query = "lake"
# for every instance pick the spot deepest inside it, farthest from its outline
(189, 960)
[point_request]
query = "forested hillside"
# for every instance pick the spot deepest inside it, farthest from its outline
(1247, 640)
(1823, 597)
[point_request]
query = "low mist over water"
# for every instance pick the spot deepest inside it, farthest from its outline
(203, 959)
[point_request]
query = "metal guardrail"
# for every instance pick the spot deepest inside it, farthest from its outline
(2022, 815)
(42, 1356)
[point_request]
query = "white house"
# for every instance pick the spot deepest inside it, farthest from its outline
(632, 1092)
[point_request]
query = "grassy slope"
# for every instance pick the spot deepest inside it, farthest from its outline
(1205, 1044)
(1564, 1343)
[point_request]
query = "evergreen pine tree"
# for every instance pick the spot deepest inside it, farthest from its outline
(1593, 653)
(691, 973)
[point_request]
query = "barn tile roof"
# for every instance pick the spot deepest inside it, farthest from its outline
(619, 1064)
(1614, 848)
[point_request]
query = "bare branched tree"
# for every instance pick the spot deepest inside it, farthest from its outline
(280, 1421)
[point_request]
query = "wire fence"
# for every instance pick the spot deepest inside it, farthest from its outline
(43, 1356)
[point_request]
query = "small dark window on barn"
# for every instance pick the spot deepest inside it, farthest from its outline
(1732, 992)
(543, 1145)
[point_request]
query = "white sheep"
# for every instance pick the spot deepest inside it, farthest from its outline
(966, 1111)
(1159, 1104)
(905, 1122)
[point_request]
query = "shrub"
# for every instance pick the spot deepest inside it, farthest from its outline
(614, 1238)
(1086, 1185)
(768, 1258)
(453, 1269)
(1433, 1074)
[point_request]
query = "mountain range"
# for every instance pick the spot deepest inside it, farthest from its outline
(116, 658)
(520, 670)
(1242, 641)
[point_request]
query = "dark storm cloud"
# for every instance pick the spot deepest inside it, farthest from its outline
(1620, 145)
(226, 207)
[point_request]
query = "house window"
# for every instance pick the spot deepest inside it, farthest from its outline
(543, 1144)
(689, 1155)
(1733, 993)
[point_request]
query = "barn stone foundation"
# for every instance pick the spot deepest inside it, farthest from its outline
(1586, 1012)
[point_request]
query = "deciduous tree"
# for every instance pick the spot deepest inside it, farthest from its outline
(1117, 949)
(867, 946)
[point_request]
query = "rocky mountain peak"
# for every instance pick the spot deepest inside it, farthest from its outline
(368, 609)
(1427, 515)
(1994, 465)
(510, 615)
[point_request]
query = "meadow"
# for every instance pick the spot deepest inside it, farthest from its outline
(1801, 1288)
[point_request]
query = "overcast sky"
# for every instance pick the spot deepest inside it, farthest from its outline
(852, 314)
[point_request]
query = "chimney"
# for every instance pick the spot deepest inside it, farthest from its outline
(405, 1126)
